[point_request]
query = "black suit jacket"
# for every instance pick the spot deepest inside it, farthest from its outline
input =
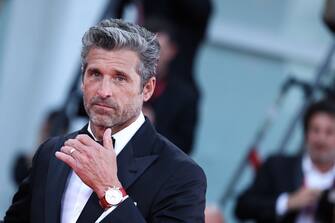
(326, 209)
(277, 175)
(166, 184)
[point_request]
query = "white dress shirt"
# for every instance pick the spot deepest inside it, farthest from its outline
(313, 179)
(77, 193)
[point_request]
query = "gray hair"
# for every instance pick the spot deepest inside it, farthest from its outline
(115, 34)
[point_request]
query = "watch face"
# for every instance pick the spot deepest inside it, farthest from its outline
(113, 196)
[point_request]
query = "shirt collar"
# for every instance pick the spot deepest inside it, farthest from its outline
(123, 137)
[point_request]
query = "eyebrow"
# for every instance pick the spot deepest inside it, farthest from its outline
(93, 70)
(117, 71)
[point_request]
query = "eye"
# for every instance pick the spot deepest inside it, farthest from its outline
(96, 74)
(120, 77)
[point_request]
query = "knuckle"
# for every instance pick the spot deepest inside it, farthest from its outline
(85, 158)
(81, 137)
(69, 142)
(88, 156)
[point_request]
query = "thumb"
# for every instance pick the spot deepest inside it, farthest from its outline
(107, 139)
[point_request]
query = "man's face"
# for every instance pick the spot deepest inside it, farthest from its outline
(320, 138)
(112, 91)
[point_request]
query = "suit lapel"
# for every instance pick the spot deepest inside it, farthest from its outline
(137, 155)
(297, 182)
(91, 211)
(131, 167)
(298, 173)
(56, 181)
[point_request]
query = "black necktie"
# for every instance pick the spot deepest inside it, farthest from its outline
(113, 142)
(101, 143)
(85, 131)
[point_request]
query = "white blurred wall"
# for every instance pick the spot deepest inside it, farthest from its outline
(40, 56)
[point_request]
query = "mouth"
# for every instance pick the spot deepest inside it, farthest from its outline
(321, 150)
(104, 106)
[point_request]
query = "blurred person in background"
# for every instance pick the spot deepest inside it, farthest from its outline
(117, 168)
(173, 108)
(190, 19)
(288, 188)
(213, 214)
(55, 123)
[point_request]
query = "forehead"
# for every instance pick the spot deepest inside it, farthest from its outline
(109, 60)
(322, 118)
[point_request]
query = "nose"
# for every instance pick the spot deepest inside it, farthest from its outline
(105, 88)
(321, 138)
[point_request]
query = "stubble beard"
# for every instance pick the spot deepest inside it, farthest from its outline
(323, 158)
(115, 119)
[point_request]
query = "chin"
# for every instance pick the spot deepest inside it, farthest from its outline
(101, 121)
(323, 159)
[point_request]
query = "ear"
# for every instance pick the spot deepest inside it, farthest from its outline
(149, 88)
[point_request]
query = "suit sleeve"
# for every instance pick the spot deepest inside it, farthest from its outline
(182, 199)
(19, 211)
(258, 202)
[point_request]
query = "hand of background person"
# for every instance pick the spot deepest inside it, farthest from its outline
(303, 198)
(93, 163)
(213, 214)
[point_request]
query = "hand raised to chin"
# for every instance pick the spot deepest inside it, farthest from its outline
(93, 163)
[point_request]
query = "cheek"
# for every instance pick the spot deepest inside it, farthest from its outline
(332, 142)
(310, 139)
(134, 100)
(88, 90)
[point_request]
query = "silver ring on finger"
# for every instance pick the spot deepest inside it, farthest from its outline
(71, 151)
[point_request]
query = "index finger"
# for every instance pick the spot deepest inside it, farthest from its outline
(107, 139)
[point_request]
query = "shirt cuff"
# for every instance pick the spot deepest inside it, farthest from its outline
(281, 204)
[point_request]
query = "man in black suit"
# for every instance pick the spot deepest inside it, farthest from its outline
(288, 188)
(117, 168)
(190, 17)
(173, 107)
